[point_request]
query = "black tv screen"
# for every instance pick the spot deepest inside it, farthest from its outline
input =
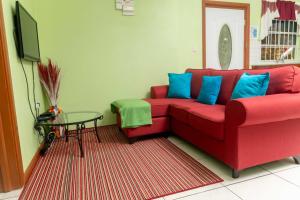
(27, 34)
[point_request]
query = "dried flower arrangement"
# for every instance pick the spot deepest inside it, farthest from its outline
(50, 80)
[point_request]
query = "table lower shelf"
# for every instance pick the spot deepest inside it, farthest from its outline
(49, 136)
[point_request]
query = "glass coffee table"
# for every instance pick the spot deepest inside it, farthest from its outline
(65, 120)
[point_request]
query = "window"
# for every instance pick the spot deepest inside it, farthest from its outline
(281, 36)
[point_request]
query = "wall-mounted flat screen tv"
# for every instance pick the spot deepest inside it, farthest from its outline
(27, 34)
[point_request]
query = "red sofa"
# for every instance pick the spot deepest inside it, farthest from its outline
(243, 132)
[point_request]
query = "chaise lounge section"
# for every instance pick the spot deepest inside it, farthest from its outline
(243, 132)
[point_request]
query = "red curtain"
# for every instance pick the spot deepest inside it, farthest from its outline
(286, 10)
(268, 5)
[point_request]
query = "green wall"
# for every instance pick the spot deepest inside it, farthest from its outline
(28, 139)
(106, 56)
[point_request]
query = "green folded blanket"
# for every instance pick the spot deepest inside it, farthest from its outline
(133, 112)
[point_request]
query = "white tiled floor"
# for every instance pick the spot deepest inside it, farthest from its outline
(13, 195)
(278, 180)
(266, 187)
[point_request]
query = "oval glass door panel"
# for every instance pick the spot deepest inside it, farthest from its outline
(225, 47)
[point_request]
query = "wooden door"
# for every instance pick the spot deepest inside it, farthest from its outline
(242, 12)
(11, 168)
(231, 22)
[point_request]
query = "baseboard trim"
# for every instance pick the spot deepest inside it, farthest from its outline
(32, 164)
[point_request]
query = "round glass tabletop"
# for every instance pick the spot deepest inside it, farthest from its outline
(71, 118)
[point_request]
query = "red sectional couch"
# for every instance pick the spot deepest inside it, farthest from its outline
(243, 132)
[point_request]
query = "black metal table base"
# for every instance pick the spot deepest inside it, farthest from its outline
(80, 127)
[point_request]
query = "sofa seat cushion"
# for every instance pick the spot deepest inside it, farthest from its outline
(208, 119)
(181, 111)
(160, 107)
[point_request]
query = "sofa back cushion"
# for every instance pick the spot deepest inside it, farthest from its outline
(282, 79)
(296, 85)
(197, 80)
(228, 84)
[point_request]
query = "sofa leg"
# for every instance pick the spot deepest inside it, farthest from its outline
(166, 134)
(235, 173)
(297, 159)
(132, 140)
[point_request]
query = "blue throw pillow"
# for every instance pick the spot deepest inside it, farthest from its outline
(180, 85)
(251, 86)
(210, 89)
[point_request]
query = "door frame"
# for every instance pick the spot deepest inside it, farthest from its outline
(227, 5)
(11, 167)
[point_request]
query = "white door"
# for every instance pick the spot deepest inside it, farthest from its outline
(229, 47)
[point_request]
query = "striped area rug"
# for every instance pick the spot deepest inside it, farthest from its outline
(114, 169)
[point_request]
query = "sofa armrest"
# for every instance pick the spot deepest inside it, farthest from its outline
(159, 92)
(263, 109)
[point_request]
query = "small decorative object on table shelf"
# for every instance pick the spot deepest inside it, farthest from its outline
(55, 109)
(50, 80)
(52, 128)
